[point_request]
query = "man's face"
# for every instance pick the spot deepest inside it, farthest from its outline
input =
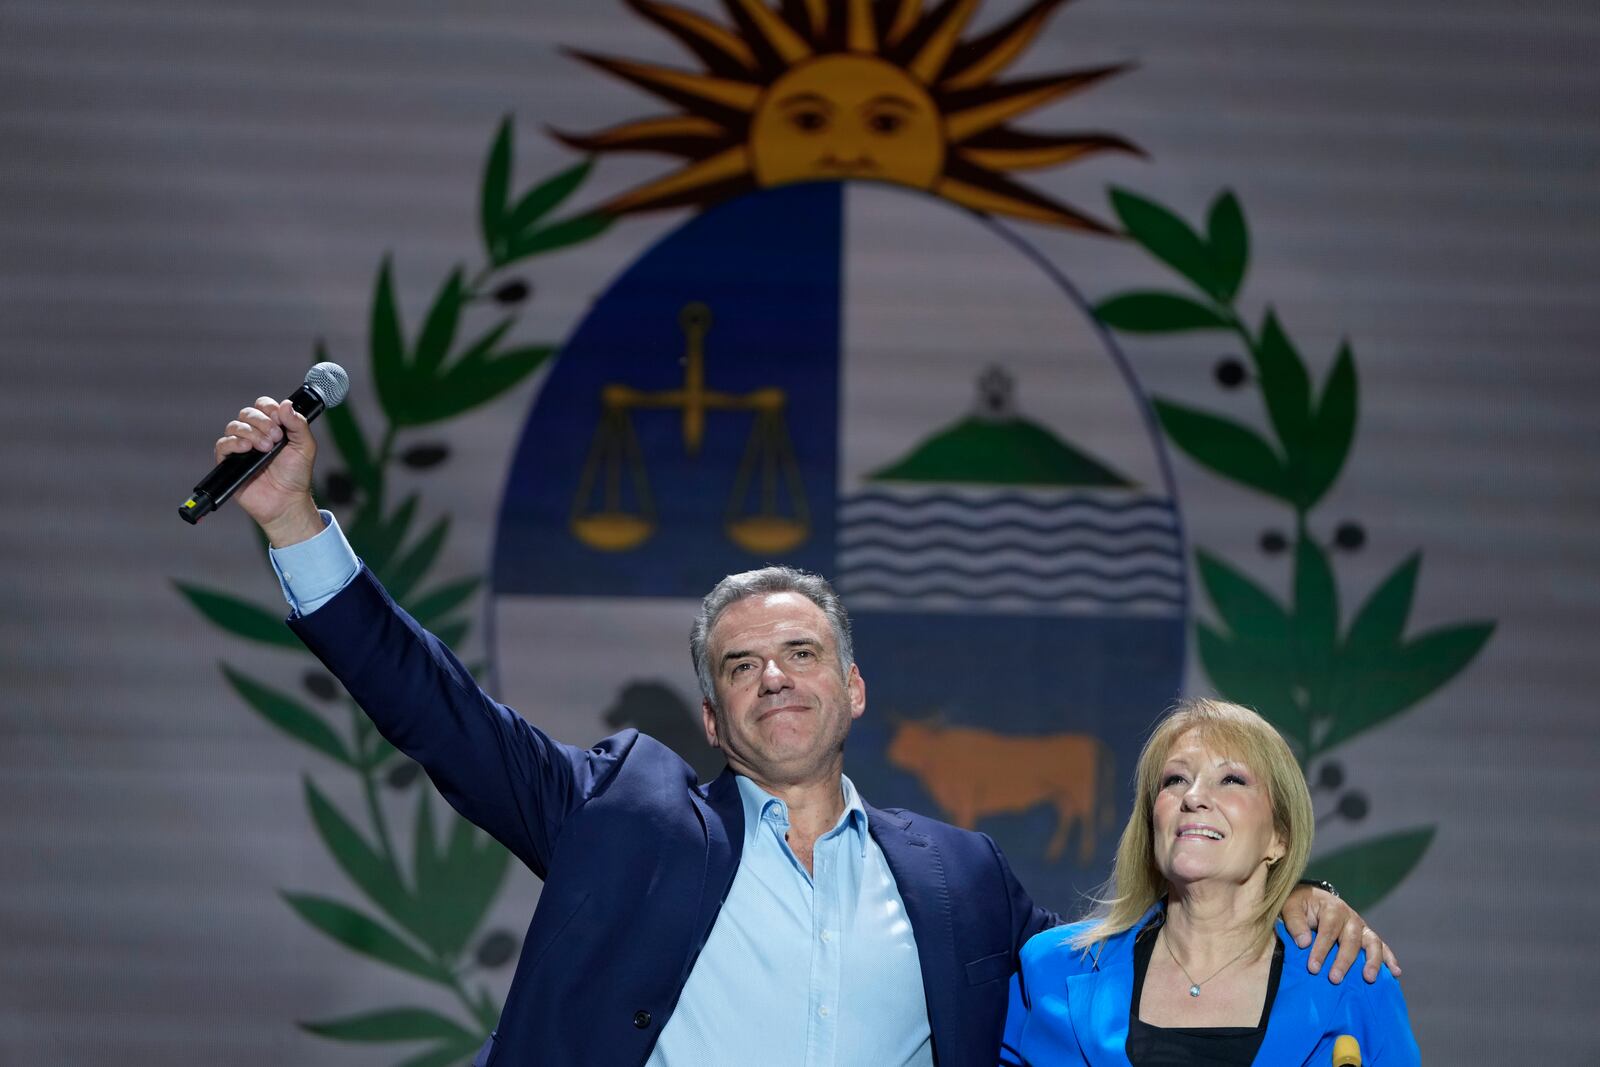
(783, 705)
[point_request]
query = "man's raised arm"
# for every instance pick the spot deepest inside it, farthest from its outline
(498, 771)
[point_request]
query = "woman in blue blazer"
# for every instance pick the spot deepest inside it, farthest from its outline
(1185, 963)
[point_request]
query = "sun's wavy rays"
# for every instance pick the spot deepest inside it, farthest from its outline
(783, 39)
(994, 105)
(687, 185)
(987, 57)
(858, 90)
(861, 30)
(931, 58)
(681, 87)
(681, 135)
(906, 14)
(722, 51)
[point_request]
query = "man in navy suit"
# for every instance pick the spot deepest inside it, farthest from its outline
(771, 916)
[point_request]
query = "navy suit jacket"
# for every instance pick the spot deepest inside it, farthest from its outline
(637, 859)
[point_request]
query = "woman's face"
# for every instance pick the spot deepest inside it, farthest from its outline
(1213, 818)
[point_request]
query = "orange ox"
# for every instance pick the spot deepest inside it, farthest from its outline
(973, 774)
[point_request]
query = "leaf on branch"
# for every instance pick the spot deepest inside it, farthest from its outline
(1169, 239)
(557, 235)
(387, 346)
(1230, 245)
(1366, 871)
(1248, 611)
(1373, 690)
(496, 188)
(473, 382)
(432, 606)
(1236, 452)
(547, 196)
(1253, 662)
(1381, 621)
(289, 715)
(456, 885)
(352, 446)
(1316, 620)
(1258, 674)
(393, 1024)
(1285, 386)
(438, 331)
(408, 571)
(239, 617)
(1333, 430)
(363, 934)
(1149, 312)
(376, 543)
(372, 873)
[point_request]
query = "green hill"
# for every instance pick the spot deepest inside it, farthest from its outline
(1006, 451)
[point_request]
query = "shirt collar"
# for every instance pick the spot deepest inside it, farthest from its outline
(760, 806)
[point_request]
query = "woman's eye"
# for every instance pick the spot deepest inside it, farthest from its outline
(809, 121)
(1236, 779)
(1171, 779)
(885, 122)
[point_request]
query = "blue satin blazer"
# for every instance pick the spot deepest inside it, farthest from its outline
(1068, 1008)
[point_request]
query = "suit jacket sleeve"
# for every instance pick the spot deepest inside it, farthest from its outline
(493, 767)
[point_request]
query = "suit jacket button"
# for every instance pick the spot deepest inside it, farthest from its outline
(641, 1019)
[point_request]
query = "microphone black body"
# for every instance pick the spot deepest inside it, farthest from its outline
(322, 389)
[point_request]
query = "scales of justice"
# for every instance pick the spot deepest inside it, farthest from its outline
(613, 510)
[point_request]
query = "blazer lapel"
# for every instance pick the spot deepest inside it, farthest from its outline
(722, 814)
(1098, 1002)
(1294, 1027)
(918, 868)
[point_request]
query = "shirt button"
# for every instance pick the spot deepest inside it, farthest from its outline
(823, 1011)
(641, 1019)
(827, 935)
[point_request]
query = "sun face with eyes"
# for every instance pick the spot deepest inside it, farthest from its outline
(846, 117)
(829, 90)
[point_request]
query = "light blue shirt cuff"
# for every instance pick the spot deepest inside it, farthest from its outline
(315, 570)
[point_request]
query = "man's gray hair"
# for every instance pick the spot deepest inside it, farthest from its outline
(767, 580)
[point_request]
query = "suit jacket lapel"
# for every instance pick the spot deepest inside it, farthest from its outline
(1098, 1002)
(722, 814)
(918, 868)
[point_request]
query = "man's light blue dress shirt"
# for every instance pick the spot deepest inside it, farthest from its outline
(801, 969)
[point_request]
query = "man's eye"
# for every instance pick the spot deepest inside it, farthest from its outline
(885, 122)
(805, 653)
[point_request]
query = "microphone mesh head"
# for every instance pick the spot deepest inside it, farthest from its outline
(331, 383)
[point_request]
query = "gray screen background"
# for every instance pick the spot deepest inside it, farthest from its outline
(191, 193)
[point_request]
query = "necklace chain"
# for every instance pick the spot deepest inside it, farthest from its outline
(1194, 987)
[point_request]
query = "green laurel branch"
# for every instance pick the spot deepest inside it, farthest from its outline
(425, 890)
(1320, 679)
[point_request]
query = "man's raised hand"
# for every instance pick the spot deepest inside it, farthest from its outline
(279, 497)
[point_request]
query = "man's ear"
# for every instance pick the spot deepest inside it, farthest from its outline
(708, 719)
(857, 688)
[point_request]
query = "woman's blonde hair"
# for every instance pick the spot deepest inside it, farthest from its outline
(1136, 883)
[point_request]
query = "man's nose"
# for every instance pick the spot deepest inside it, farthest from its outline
(773, 679)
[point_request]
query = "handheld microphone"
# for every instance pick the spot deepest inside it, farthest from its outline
(1346, 1052)
(326, 386)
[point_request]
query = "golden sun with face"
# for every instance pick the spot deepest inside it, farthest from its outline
(826, 90)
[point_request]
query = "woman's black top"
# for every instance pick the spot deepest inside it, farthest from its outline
(1193, 1046)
